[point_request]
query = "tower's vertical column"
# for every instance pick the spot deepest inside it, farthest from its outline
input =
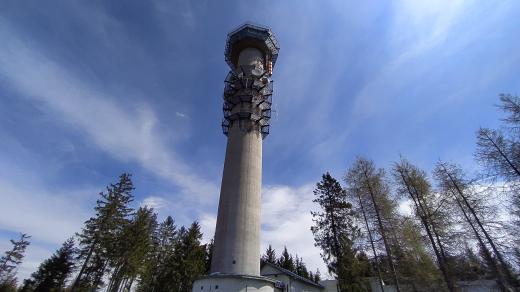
(251, 52)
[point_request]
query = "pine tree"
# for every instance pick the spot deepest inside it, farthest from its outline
(101, 238)
(270, 255)
(335, 233)
(10, 262)
(53, 272)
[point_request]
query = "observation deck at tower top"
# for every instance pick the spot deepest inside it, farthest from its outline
(251, 36)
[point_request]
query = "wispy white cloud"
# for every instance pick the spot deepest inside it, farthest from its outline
(126, 132)
(154, 202)
(46, 215)
(181, 115)
(286, 221)
(49, 217)
(405, 207)
(208, 222)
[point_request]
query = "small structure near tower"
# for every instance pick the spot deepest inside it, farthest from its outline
(251, 53)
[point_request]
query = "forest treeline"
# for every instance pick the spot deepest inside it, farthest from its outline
(121, 248)
(462, 226)
(118, 249)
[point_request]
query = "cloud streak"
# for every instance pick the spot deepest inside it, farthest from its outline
(127, 133)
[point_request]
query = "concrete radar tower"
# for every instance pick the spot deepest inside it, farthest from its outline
(251, 52)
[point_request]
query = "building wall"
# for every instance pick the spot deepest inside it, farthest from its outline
(233, 284)
(292, 285)
(330, 285)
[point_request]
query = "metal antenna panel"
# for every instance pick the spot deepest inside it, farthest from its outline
(248, 89)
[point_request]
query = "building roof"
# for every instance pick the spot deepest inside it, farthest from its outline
(292, 275)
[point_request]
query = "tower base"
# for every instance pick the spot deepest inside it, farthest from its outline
(235, 283)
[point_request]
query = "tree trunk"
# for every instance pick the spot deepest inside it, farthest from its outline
(440, 259)
(83, 267)
(487, 254)
(371, 243)
(481, 226)
(335, 242)
(383, 234)
(503, 155)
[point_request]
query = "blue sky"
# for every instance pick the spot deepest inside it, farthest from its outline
(91, 89)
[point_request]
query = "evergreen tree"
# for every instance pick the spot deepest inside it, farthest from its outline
(286, 261)
(169, 274)
(209, 255)
(270, 255)
(335, 233)
(101, 240)
(301, 268)
(155, 266)
(10, 261)
(190, 257)
(137, 243)
(53, 272)
(317, 276)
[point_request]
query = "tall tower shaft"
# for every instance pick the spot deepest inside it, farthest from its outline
(251, 52)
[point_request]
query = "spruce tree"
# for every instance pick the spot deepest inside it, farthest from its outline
(335, 233)
(190, 257)
(10, 261)
(270, 255)
(301, 268)
(101, 239)
(136, 244)
(286, 260)
(209, 255)
(53, 273)
(155, 266)
(317, 276)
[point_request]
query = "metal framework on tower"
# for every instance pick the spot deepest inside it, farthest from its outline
(248, 89)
